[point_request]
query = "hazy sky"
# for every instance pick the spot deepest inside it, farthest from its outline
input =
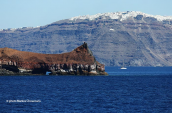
(32, 13)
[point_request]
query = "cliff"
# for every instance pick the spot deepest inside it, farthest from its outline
(80, 61)
(136, 38)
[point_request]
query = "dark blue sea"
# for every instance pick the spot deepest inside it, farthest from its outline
(137, 89)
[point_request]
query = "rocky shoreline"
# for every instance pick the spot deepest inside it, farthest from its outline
(4, 72)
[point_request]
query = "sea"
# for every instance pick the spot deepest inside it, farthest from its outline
(136, 89)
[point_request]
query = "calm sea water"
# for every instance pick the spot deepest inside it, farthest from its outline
(144, 90)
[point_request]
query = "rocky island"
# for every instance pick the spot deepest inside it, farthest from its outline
(80, 61)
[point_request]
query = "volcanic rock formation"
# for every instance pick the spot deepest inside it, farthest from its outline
(80, 61)
(137, 38)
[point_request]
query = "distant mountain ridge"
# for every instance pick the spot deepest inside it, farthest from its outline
(137, 38)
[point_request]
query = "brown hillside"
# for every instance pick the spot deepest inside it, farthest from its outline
(80, 55)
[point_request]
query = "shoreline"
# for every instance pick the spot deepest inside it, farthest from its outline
(4, 72)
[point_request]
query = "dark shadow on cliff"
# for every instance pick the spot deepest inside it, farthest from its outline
(40, 70)
(11, 68)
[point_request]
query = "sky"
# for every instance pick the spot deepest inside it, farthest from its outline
(32, 13)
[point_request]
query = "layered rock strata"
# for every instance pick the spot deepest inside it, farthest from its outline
(135, 38)
(80, 61)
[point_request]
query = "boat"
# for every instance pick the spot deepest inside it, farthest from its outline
(123, 67)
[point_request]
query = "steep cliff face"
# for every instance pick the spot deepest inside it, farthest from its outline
(136, 38)
(80, 61)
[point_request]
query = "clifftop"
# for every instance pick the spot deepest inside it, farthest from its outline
(121, 16)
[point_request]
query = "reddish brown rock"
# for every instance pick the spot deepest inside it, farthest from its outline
(80, 61)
